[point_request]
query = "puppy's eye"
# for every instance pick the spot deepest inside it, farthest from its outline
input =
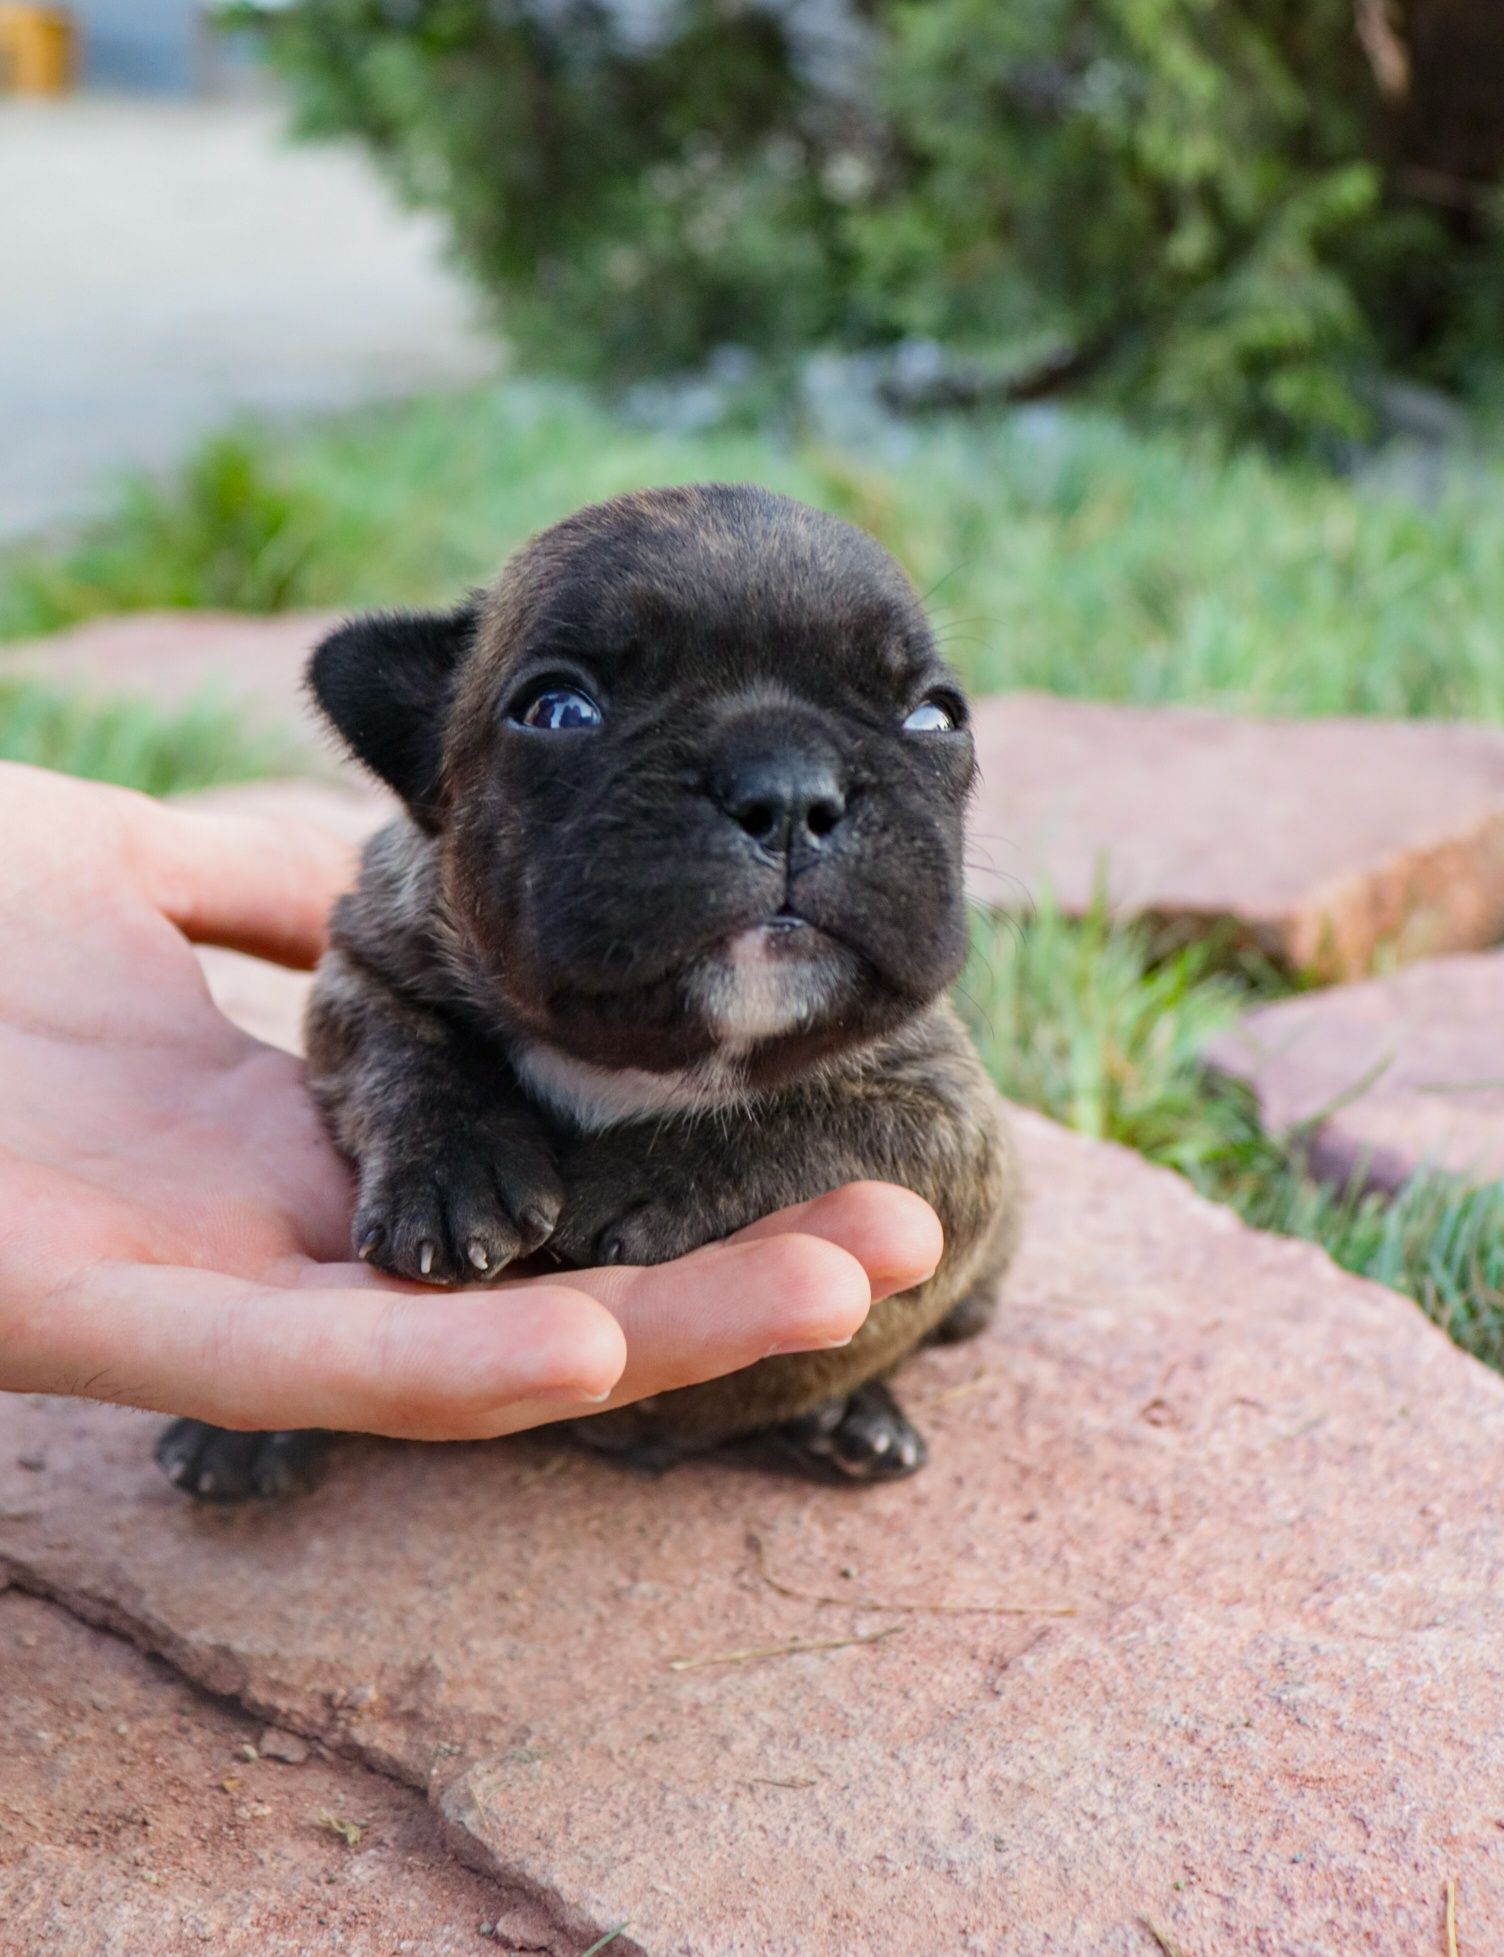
(939, 714)
(558, 709)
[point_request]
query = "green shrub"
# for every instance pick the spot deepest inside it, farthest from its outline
(1207, 199)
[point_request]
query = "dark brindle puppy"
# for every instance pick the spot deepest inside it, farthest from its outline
(661, 944)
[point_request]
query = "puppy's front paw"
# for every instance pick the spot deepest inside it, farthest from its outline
(648, 1233)
(458, 1215)
(636, 1232)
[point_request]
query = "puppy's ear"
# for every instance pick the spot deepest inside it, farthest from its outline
(384, 684)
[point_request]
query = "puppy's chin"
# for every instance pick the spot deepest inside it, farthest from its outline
(757, 1008)
(769, 981)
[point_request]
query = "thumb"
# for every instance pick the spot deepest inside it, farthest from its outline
(259, 884)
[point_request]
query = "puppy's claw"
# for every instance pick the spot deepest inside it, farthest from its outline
(369, 1244)
(425, 1257)
(536, 1226)
(477, 1254)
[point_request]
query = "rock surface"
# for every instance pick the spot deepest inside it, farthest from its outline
(174, 658)
(351, 809)
(131, 1821)
(1408, 1070)
(1322, 841)
(1271, 1722)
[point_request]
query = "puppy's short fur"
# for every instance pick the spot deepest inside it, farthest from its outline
(661, 943)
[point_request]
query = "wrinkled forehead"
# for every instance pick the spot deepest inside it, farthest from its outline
(734, 586)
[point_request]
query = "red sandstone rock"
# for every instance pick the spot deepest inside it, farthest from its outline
(175, 657)
(1322, 841)
(131, 1821)
(1272, 1723)
(352, 810)
(1408, 1071)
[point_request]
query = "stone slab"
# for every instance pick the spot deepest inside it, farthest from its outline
(132, 1822)
(1324, 842)
(176, 658)
(1401, 1073)
(1272, 1724)
(354, 810)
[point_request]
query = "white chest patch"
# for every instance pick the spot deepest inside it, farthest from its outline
(603, 1097)
(745, 992)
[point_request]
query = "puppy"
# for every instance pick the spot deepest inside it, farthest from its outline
(660, 945)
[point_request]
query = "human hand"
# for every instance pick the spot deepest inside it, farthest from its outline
(174, 1223)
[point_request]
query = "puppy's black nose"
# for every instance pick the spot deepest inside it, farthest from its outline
(784, 801)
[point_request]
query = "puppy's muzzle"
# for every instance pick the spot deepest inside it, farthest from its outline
(788, 795)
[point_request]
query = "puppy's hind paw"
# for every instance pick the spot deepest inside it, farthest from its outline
(215, 1464)
(967, 1317)
(865, 1437)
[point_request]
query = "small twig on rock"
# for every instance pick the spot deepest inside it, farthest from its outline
(980, 1377)
(1451, 1919)
(1166, 1943)
(610, 1937)
(939, 1607)
(779, 1650)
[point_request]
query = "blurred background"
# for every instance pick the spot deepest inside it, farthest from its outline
(1163, 341)
(1069, 299)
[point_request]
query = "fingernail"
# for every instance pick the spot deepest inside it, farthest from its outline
(807, 1345)
(566, 1395)
(890, 1286)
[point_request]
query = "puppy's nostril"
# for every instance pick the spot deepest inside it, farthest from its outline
(781, 802)
(761, 820)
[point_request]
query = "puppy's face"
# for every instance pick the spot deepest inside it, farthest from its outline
(696, 777)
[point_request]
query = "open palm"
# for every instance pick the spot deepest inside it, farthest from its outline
(174, 1224)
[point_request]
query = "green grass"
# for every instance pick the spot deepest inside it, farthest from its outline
(1069, 554)
(1085, 1021)
(130, 742)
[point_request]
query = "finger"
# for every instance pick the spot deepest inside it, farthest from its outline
(723, 1308)
(250, 883)
(381, 1359)
(892, 1233)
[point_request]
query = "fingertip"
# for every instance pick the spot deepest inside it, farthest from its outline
(465, 1365)
(820, 1293)
(577, 1350)
(892, 1233)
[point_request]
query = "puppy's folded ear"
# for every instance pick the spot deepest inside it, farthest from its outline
(384, 684)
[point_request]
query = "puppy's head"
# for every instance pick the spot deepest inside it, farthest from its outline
(695, 775)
